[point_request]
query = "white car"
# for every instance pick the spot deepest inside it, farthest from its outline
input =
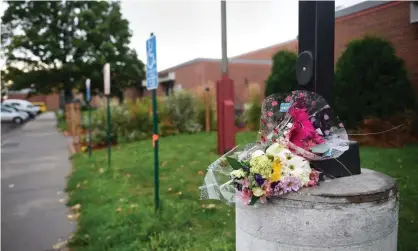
(13, 115)
(23, 105)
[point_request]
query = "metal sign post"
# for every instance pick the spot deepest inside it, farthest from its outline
(152, 84)
(106, 77)
(88, 99)
(225, 96)
(315, 72)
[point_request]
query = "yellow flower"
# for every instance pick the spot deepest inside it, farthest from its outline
(277, 169)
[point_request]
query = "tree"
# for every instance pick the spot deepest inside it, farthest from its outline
(283, 73)
(57, 45)
(371, 81)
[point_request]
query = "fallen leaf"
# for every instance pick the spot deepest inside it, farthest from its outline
(179, 193)
(210, 206)
(85, 181)
(170, 189)
(164, 163)
(73, 216)
(78, 185)
(101, 170)
(134, 205)
(76, 207)
(62, 200)
(128, 175)
(59, 245)
(201, 172)
(119, 209)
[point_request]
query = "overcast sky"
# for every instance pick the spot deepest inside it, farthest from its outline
(189, 29)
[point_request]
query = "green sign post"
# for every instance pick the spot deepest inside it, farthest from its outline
(152, 84)
(106, 77)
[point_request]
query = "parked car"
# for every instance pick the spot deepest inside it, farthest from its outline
(9, 106)
(41, 106)
(25, 115)
(13, 115)
(23, 105)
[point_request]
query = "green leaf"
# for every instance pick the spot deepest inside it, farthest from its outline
(235, 164)
(254, 199)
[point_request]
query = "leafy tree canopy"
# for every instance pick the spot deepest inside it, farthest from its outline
(57, 45)
(283, 73)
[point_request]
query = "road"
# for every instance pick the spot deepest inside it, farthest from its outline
(34, 169)
(7, 128)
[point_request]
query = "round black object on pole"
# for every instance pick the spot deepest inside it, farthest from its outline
(304, 68)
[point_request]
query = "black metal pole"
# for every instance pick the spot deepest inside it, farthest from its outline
(316, 35)
(315, 72)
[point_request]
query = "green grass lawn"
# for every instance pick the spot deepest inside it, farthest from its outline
(117, 208)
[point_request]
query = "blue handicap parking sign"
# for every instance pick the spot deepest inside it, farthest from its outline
(152, 73)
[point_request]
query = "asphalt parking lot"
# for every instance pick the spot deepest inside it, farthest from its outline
(7, 128)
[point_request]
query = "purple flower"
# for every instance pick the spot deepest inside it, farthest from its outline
(259, 179)
(288, 184)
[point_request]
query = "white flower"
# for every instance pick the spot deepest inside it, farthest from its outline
(284, 155)
(238, 173)
(257, 153)
(297, 166)
(257, 191)
(274, 149)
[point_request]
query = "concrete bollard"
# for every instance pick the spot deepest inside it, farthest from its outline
(347, 214)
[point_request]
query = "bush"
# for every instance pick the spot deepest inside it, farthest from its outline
(182, 109)
(371, 82)
(202, 115)
(253, 113)
(283, 73)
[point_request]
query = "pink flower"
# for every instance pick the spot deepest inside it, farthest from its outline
(326, 117)
(288, 98)
(267, 187)
(313, 103)
(301, 95)
(274, 103)
(269, 114)
(269, 125)
(245, 182)
(302, 130)
(314, 178)
(246, 195)
(263, 199)
(341, 125)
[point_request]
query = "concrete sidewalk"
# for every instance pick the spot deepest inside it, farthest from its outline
(34, 169)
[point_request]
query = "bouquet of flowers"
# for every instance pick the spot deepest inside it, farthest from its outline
(295, 129)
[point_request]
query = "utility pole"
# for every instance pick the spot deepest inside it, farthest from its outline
(225, 96)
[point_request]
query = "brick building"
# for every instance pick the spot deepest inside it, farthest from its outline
(395, 21)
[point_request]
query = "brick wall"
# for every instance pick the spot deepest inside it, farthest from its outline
(268, 52)
(51, 100)
(390, 21)
(196, 77)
